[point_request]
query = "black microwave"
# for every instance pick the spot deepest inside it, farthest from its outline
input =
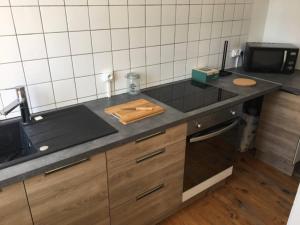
(270, 57)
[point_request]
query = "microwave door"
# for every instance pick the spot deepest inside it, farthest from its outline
(266, 60)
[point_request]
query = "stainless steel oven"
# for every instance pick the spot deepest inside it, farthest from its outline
(212, 145)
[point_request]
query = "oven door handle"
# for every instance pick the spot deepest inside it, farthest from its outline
(216, 133)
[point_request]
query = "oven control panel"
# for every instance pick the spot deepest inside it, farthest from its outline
(223, 115)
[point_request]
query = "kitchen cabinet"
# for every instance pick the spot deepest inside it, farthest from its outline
(138, 183)
(75, 194)
(14, 207)
(145, 177)
(278, 136)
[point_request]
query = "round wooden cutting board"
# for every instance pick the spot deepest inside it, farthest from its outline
(243, 82)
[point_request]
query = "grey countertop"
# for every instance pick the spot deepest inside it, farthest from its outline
(132, 131)
(289, 82)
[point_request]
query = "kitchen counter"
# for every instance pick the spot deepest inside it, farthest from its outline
(132, 131)
(289, 82)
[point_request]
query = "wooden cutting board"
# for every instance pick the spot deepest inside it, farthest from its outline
(127, 113)
(243, 82)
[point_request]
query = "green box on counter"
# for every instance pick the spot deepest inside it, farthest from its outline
(205, 74)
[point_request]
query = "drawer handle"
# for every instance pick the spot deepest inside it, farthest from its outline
(149, 192)
(66, 166)
(150, 155)
(150, 136)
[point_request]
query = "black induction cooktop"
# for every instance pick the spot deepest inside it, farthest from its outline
(188, 95)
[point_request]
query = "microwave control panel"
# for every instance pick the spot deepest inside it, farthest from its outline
(291, 61)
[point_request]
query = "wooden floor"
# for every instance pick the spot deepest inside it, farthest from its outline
(256, 194)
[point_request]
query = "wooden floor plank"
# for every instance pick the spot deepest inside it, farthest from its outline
(256, 194)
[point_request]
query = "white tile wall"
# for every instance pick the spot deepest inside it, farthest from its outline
(120, 39)
(27, 20)
(7, 28)
(37, 71)
(81, 85)
(9, 49)
(56, 45)
(61, 68)
(54, 23)
(32, 46)
(64, 90)
(83, 65)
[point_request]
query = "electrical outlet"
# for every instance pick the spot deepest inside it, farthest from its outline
(236, 52)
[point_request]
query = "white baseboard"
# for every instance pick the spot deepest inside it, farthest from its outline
(206, 184)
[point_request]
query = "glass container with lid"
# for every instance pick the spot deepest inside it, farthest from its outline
(133, 83)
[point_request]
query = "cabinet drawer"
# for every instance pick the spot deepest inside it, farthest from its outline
(73, 195)
(131, 151)
(140, 174)
(150, 206)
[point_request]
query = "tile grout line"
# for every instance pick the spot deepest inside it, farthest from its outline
(128, 35)
(175, 29)
(75, 31)
(92, 46)
(145, 44)
(210, 39)
(160, 52)
(160, 37)
(199, 36)
(46, 49)
(21, 58)
(53, 5)
(112, 83)
(187, 40)
(221, 38)
(81, 54)
(70, 48)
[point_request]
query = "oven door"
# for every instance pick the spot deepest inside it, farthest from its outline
(210, 156)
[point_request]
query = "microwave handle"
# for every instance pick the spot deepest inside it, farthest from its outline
(284, 60)
(216, 133)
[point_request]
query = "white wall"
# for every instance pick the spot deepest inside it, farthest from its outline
(258, 21)
(283, 23)
(294, 218)
(276, 21)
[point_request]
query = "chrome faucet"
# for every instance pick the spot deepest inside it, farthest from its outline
(20, 101)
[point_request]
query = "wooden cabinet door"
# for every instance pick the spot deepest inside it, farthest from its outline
(73, 195)
(14, 207)
(278, 134)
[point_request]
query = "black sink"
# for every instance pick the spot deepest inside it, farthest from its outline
(56, 131)
(65, 128)
(13, 143)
